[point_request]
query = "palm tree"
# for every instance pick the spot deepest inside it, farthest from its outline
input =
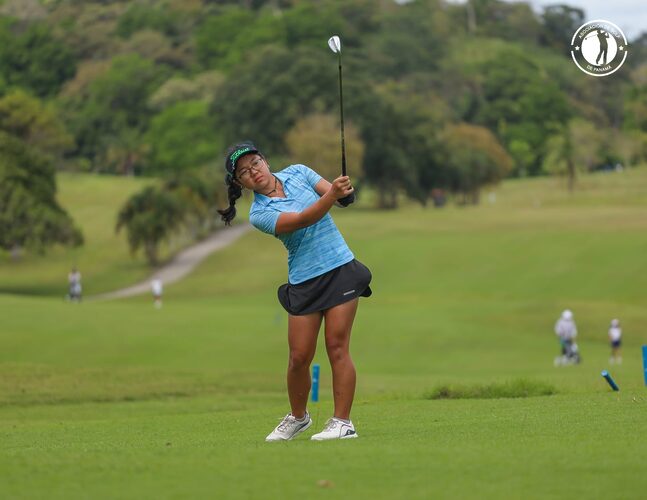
(150, 217)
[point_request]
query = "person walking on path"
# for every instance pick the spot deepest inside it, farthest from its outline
(324, 284)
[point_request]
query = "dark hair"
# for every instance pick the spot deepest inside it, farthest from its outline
(234, 189)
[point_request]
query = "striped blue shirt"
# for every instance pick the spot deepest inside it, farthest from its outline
(312, 250)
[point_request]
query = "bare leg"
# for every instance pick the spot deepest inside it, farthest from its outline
(339, 322)
(302, 340)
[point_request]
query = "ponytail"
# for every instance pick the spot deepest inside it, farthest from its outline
(234, 191)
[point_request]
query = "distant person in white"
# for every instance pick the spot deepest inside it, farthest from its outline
(156, 286)
(615, 338)
(566, 331)
(74, 283)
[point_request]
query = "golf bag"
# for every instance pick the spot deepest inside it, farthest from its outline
(570, 354)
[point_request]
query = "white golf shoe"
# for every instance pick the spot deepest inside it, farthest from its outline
(289, 428)
(336, 429)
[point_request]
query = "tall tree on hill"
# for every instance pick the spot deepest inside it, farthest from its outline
(31, 139)
(473, 158)
(560, 21)
(30, 216)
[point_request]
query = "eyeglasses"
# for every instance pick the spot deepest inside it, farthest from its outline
(256, 166)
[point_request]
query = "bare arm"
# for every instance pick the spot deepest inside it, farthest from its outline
(322, 187)
(329, 194)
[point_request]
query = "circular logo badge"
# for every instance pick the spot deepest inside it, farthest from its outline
(599, 48)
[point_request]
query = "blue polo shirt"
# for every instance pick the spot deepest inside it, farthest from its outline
(312, 250)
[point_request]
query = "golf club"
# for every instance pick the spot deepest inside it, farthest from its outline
(334, 42)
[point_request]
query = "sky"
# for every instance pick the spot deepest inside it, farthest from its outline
(629, 15)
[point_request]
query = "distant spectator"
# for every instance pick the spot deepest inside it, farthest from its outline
(615, 338)
(566, 331)
(439, 198)
(156, 286)
(74, 284)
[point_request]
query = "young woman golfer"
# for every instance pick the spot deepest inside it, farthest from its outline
(324, 279)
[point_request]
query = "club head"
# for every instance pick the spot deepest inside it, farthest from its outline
(335, 44)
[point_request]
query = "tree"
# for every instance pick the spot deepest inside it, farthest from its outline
(113, 107)
(223, 40)
(411, 39)
(186, 201)
(314, 140)
(383, 129)
(34, 59)
(182, 136)
(156, 47)
(200, 192)
(30, 216)
(26, 10)
(310, 23)
(578, 147)
(151, 217)
(35, 123)
(266, 97)
(520, 104)
(474, 158)
(143, 17)
(559, 24)
(635, 106)
(202, 87)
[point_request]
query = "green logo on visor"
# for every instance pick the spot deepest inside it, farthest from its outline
(237, 154)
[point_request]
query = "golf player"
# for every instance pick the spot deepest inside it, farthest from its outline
(325, 280)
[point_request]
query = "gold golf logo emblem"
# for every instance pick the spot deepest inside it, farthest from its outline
(599, 48)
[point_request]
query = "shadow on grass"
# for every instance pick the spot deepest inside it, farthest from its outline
(520, 388)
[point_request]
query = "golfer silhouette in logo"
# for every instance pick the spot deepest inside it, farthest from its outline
(602, 37)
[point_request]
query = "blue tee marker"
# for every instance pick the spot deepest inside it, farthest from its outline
(608, 378)
(645, 363)
(314, 394)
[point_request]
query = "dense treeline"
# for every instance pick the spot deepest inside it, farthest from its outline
(438, 95)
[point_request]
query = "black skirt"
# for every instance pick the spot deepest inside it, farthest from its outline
(335, 287)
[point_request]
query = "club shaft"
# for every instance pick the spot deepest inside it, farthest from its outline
(341, 112)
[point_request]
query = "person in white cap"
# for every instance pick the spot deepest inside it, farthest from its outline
(615, 338)
(566, 331)
(156, 287)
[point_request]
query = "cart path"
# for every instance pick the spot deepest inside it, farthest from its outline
(182, 264)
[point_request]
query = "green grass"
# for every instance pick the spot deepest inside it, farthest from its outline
(518, 388)
(104, 260)
(118, 399)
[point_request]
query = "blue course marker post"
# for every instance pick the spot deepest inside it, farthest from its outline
(608, 378)
(314, 393)
(645, 363)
